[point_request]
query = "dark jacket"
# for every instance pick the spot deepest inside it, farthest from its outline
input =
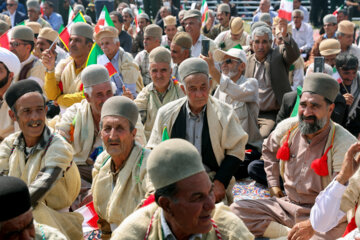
(19, 16)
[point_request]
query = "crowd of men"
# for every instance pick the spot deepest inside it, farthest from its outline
(191, 107)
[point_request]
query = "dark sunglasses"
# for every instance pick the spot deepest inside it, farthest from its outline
(229, 61)
(16, 44)
(10, 4)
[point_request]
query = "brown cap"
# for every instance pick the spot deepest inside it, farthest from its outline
(193, 66)
(192, 13)
(322, 84)
(120, 106)
(329, 47)
(236, 25)
(183, 39)
(107, 31)
(82, 29)
(48, 34)
(169, 20)
(160, 55)
(224, 7)
(153, 30)
(23, 33)
(346, 27)
(35, 26)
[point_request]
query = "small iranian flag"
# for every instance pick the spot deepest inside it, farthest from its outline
(104, 20)
(65, 34)
(97, 56)
(90, 217)
(5, 39)
(71, 15)
(136, 20)
(336, 75)
(338, 9)
(286, 8)
(42, 7)
(204, 12)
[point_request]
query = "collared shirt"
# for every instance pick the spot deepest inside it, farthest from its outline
(117, 77)
(28, 60)
(165, 41)
(55, 20)
(168, 235)
(159, 94)
(142, 59)
(194, 126)
(303, 36)
(12, 18)
(196, 48)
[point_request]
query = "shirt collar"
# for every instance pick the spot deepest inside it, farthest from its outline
(152, 88)
(43, 142)
(190, 113)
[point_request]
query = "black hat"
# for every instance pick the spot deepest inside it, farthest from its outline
(14, 197)
(20, 88)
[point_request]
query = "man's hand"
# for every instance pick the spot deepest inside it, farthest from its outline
(209, 21)
(276, 192)
(215, 74)
(349, 99)
(219, 191)
(209, 60)
(48, 59)
(301, 231)
(350, 164)
(283, 25)
(127, 93)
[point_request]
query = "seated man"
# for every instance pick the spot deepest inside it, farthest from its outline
(185, 202)
(143, 20)
(128, 73)
(180, 50)
(62, 82)
(124, 38)
(160, 91)
(22, 44)
(210, 125)
(302, 33)
(170, 31)
(120, 180)
(264, 7)
(223, 16)
(345, 35)
(42, 159)
(34, 13)
(306, 151)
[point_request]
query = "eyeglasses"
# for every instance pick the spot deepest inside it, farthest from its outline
(329, 25)
(10, 4)
(229, 61)
(16, 44)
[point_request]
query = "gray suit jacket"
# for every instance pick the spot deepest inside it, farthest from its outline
(278, 64)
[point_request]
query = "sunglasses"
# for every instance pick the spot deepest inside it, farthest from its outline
(10, 4)
(16, 44)
(229, 61)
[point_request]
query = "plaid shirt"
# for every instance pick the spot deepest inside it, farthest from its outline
(142, 59)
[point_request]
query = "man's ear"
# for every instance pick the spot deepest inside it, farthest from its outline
(12, 115)
(331, 108)
(165, 204)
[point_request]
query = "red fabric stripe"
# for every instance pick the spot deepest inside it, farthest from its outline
(65, 37)
(101, 23)
(283, 14)
(4, 41)
(111, 69)
(93, 220)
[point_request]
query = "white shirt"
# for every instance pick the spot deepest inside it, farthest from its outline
(326, 213)
(12, 18)
(303, 36)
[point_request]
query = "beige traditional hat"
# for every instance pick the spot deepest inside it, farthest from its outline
(3, 27)
(169, 20)
(183, 39)
(219, 55)
(224, 7)
(35, 26)
(329, 47)
(107, 31)
(236, 25)
(330, 18)
(192, 13)
(34, 4)
(82, 29)
(192, 66)
(48, 34)
(160, 55)
(346, 27)
(5, 18)
(322, 84)
(94, 75)
(153, 30)
(143, 15)
(23, 33)
(171, 161)
(120, 106)
(276, 20)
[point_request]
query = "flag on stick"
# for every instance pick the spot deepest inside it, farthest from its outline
(5, 40)
(104, 20)
(286, 8)
(204, 12)
(65, 34)
(97, 56)
(338, 9)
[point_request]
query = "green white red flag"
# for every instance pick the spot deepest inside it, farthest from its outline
(136, 20)
(65, 34)
(104, 20)
(204, 12)
(5, 39)
(97, 56)
(338, 9)
(71, 15)
(286, 8)
(42, 7)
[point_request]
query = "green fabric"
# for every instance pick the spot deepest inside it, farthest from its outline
(297, 103)
(165, 135)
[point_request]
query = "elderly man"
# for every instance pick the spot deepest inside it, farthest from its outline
(152, 39)
(345, 35)
(302, 32)
(52, 17)
(120, 180)
(270, 67)
(160, 91)
(264, 7)
(124, 38)
(236, 35)
(223, 16)
(210, 125)
(16, 16)
(170, 31)
(138, 45)
(128, 17)
(128, 76)
(330, 27)
(63, 84)
(9, 69)
(192, 22)
(185, 202)
(34, 13)
(180, 50)
(42, 159)
(297, 5)
(163, 13)
(22, 44)
(306, 151)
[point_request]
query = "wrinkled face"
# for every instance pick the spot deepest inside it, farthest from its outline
(20, 48)
(42, 44)
(47, 9)
(33, 14)
(296, 4)
(18, 228)
(100, 93)
(109, 46)
(30, 115)
(116, 135)
(78, 46)
(150, 43)
(264, 6)
(197, 90)
(230, 66)
(261, 46)
(11, 6)
(118, 25)
(127, 18)
(164, 13)
(330, 59)
(347, 75)
(297, 18)
(142, 23)
(346, 40)
(192, 26)
(330, 29)
(160, 75)
(178, 54)
(314, 113)
(170, 31)
(223, 18)
(193, 204)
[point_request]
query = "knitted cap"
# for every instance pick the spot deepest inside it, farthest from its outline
(192, 66)
(23, 33)
(94, 75)
(322, 84)
(82, 29)
(48, 34)
(183, 39)
(120, 106)
(153, 30)
(160, 55)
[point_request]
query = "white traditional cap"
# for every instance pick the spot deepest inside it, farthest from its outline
(10, 60)
(219, 55)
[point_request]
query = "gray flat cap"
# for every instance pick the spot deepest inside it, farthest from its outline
(34, 4)
(192, 66)
(23, 33)
(94, 75)
(122, 107)
(330, 19)
(192, 13)
(322, 84)
(265, 17)
(82, 29)
(159, 55)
